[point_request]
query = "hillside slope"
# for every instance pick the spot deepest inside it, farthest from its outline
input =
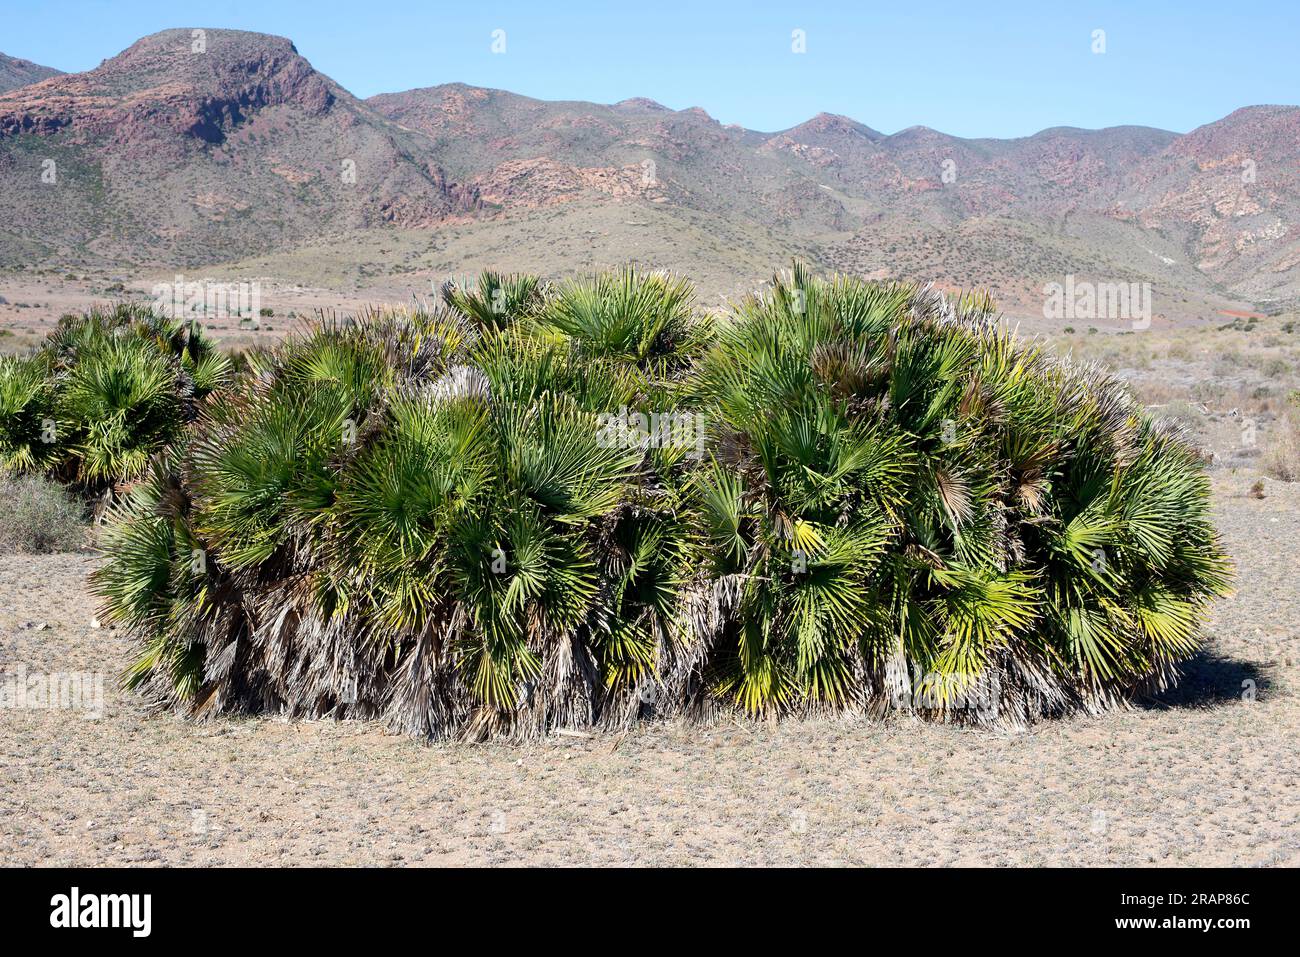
(164, 157)
(1116, 204)
(175, 156)
(15, 72)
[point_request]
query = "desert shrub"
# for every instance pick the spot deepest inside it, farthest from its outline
(38, 515)
(28, 424)
(471, 526)
(1185, 414)
(1275, 367)
(496, 299)
(1282, 458)
(103, 393)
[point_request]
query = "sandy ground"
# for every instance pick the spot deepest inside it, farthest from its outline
(31, 306)
(1206, 776)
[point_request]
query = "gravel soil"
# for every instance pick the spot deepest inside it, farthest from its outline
(1207, 775)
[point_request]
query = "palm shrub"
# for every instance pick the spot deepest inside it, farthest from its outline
(906, 506)
(496, 299)
(465, 522)
(29, 430)
(644, 321)
(102, 394)
(416, 515)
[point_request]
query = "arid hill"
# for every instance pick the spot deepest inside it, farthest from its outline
(180, 151)
(15, 72)
(194, 148)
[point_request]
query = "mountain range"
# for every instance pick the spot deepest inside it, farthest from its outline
(15, 73)
(168, 156)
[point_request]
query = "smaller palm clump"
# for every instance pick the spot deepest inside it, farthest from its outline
(580, 505)
(102, 394)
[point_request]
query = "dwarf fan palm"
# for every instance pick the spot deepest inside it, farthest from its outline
(29, 430)
(916, 504)
(103, 393)
(461, 524)
(497, 300)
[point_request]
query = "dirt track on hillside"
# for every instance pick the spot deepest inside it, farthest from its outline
(1202, 777)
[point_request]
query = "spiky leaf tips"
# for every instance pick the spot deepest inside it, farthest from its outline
(593, 505)
(104, 393)
(29, 430)
(921, 510)
(496, 300)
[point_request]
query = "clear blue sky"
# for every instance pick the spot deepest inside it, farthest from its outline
(970, 69)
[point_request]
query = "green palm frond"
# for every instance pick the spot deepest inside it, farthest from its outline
(104, 393)
(496, 300)
(460, 520)
(32, 438)
(643, 319)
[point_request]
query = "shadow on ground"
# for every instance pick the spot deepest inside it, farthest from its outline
(1210, 679)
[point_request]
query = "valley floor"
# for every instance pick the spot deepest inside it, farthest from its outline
(1205, 776)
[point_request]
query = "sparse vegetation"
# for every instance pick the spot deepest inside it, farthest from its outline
(1282, 459)
(38, 515)
(436, 519)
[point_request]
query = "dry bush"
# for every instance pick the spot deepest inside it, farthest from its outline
(1282, 461)
(37, 515)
